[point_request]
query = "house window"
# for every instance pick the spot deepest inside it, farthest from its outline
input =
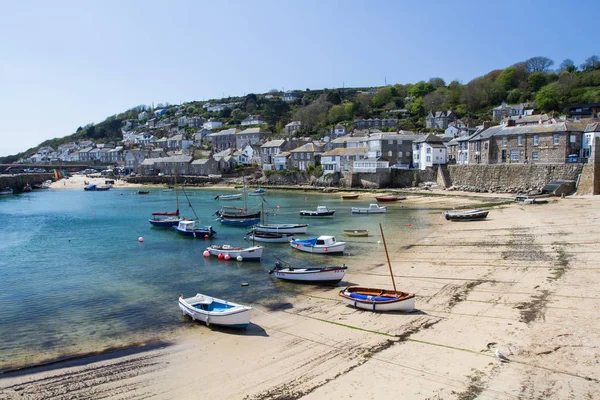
(514, 155)
(536, 140)
(573, 139)
(390, 141)
(428, 159)
(302, 156)
(534, 156)
(295, 156)
(556, 138)
(389, 153)
(504, 141)
(308, 156)
(429, 150)
(485, 145)
(519, 140)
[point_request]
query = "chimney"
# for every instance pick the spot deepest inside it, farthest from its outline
(486, 125)
(510, 122)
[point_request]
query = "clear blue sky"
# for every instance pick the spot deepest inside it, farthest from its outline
(65, 64)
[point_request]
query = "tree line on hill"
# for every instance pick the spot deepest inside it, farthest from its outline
(530, 81)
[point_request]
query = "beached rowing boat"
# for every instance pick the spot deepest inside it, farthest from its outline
(212, 310)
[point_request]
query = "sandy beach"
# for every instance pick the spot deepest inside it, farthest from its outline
(523, 282)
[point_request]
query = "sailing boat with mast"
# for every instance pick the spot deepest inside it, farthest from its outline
(273, 237)
(236, 216)
(190, 228)
(172, 217)
(280, 228)
(375, 299)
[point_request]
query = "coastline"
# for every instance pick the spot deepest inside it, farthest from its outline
(518, 282)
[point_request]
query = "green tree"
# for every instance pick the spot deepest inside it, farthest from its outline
(333, 97)
(538, 64)
(548, 98)
(591, 64)
(383, 96)
(420, 89)
(336, 114)
(437, 82)
(536, 80)
(434, 100)
(567, 65)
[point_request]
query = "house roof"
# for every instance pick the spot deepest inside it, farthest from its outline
(595, 127)
(348, 139)
(274, 143)
(373, 159)
(251, 131)
(283, 154)
(225, 132)
(307, 148)
(200, 161)
(354, 151)
(430, 138)
(294, 123)
(502, 130)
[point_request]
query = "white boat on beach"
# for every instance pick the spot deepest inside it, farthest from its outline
(227, 252)
(211, 310)
(328, 275)
(319, 245)
(378, 299)
(372, 209)
(281, 228)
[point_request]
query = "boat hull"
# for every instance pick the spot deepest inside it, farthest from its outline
(239, 222)
(356, 233)
(336, 248)
(196, 232)
(271, 237)
(165, 222)
(349, 196)
(357, 210)
(248, 254)
(316, 213)
(325, 275)
(475, 215)
(378, 299)
(215, 311)
(384, 199)
(230, 197)
(281, 228)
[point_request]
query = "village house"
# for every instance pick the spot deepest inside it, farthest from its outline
(535, 119)
(590, 135)
(290, 96)
(292, 127)
(143, 115)
(504, 110)
(529, 144)
(204, 166)
(429, 151)
(375, 123)
(579, 111)
(338, 130)
(253, 120)
(160, 112)
(439, 119)
(224, 139)
(371, 165)
(193, 122)
(212, 124)
(306, 155)
(250, 136)
(172, 165)
(178, 142)
(282, 161)
(200, 135)
(342, 159)
(271, 149)
(226, 164)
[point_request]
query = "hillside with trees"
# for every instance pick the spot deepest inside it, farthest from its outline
(531, 81)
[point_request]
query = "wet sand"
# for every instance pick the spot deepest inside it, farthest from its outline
(524, 282)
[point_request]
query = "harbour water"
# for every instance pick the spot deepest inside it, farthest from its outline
(74, 279)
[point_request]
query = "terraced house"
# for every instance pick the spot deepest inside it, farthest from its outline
(534, 144)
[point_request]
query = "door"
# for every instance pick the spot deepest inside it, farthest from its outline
(503, 156)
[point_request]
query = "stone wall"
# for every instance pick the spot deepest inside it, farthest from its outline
(510, 178)
(590, 177)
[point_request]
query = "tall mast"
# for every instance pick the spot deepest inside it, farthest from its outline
(388, 257)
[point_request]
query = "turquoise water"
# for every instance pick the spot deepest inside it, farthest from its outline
(74, 278)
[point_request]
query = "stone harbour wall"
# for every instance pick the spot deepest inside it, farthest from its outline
(510, 178)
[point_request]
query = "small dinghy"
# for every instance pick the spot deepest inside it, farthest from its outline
(372, 209)
(349, 196)
(319, 245)
(325, 275)
(321, 211)
(228, 196)
(470, 215)
(270, 237)
(356, 232)
(258, 192)
(239, 221)
(281, 228)
(227, 252)
(190, 229)
(389, 198)
(378, 299)
(211, 310)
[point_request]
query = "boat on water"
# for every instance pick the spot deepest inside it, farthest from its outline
(349, 196)
(239, 221)
(372, 209)
(270, 237)
(356, 232)
(257, 192)
(227, 252)
(231, 212)
(469, 215)
(189, 228)
(7, 191)
(27, 188)
(319, 245)
(377, 299)
(325, 275)
(228, 196)
(44, 185)
(143, 192)
(168, 219)
(389, 198)
(212, 310)
(321, 211)
(95, 188)
(281, 228)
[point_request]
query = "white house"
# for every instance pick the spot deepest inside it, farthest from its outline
(289, 96)
(342, 159)
(339, 130)
(429, 151)
(591, 133)
(212, 124)
(253, 120)
(292, 127)
(371, 165)
(143, 115)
